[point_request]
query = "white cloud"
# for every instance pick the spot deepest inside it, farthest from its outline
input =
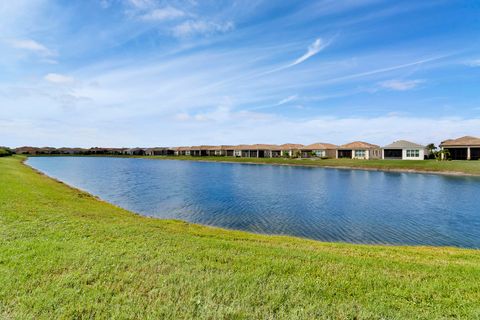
(183, 116)
(141, 4)
(161, 14)
(317, 46)
(400, 85)
(31, 45)
(59, 78)
(287, 100)
(313, 49)
(193, 27)
(473, 63)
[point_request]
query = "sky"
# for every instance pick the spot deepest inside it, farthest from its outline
(125, 73)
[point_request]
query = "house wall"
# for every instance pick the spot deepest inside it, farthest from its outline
(355, 154)
(421, 155)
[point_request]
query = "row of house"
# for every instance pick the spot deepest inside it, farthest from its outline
(95, 151)
(464, 148)
(354, 150)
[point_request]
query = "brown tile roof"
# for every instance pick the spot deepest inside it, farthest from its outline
(257, 146)
(320, 146)
(463, 141)
(203, 147)
(225, 147)
(242, 147)
(290, 146)
(359, 145)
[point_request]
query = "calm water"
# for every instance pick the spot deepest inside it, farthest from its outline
(323, 204)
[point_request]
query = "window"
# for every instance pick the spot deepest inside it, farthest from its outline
(320, 153)
(413, 153)
(360, 153)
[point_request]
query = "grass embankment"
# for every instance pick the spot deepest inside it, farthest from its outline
(433, 166)
(64, 254)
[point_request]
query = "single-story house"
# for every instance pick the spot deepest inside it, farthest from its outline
(251, 151)
(134, 152)
(181, 151)
(464, 148)
(228, 151)
(221, 151)
(65, 150)
(202, 151)
(26, 150)
(320, 150)
(291, 149)
(359, 150)
(404, 150)
(161, 151)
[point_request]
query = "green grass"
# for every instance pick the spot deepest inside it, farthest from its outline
(66, 255)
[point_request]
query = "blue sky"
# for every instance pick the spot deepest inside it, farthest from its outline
(165, 73)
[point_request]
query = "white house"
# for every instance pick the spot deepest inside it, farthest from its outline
(404, 150)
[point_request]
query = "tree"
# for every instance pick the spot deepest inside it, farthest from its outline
(4, 152)
(431, 148)
(442, 155)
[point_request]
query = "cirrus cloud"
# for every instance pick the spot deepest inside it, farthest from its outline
(400, 85)
(194, 27)
(57, 78)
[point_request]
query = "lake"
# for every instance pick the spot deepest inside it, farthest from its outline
(318, 203)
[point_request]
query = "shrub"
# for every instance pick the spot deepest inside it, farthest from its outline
(4, 152)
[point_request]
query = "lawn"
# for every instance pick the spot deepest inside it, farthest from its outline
(65, 254)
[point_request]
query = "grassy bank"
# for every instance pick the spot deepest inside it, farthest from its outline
(64, 254)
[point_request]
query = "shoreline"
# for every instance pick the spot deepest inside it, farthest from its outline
(313, 165)
(394, 170)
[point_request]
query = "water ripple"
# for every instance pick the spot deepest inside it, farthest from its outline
(323, 204)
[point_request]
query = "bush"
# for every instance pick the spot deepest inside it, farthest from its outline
(4, 152)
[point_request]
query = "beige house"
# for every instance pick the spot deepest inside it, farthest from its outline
(464, 148)
(256, 150)
(319, 150)
(291, 149)
(404, 150)
(159, 152)
(359, 150)
(181, 151)
(202, 151)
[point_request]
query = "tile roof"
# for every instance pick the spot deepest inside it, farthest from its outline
(320, 146)
(359, 145)
(290, 146)
(463, 141)
(403, 144)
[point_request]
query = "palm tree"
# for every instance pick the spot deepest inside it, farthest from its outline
(431, 148)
